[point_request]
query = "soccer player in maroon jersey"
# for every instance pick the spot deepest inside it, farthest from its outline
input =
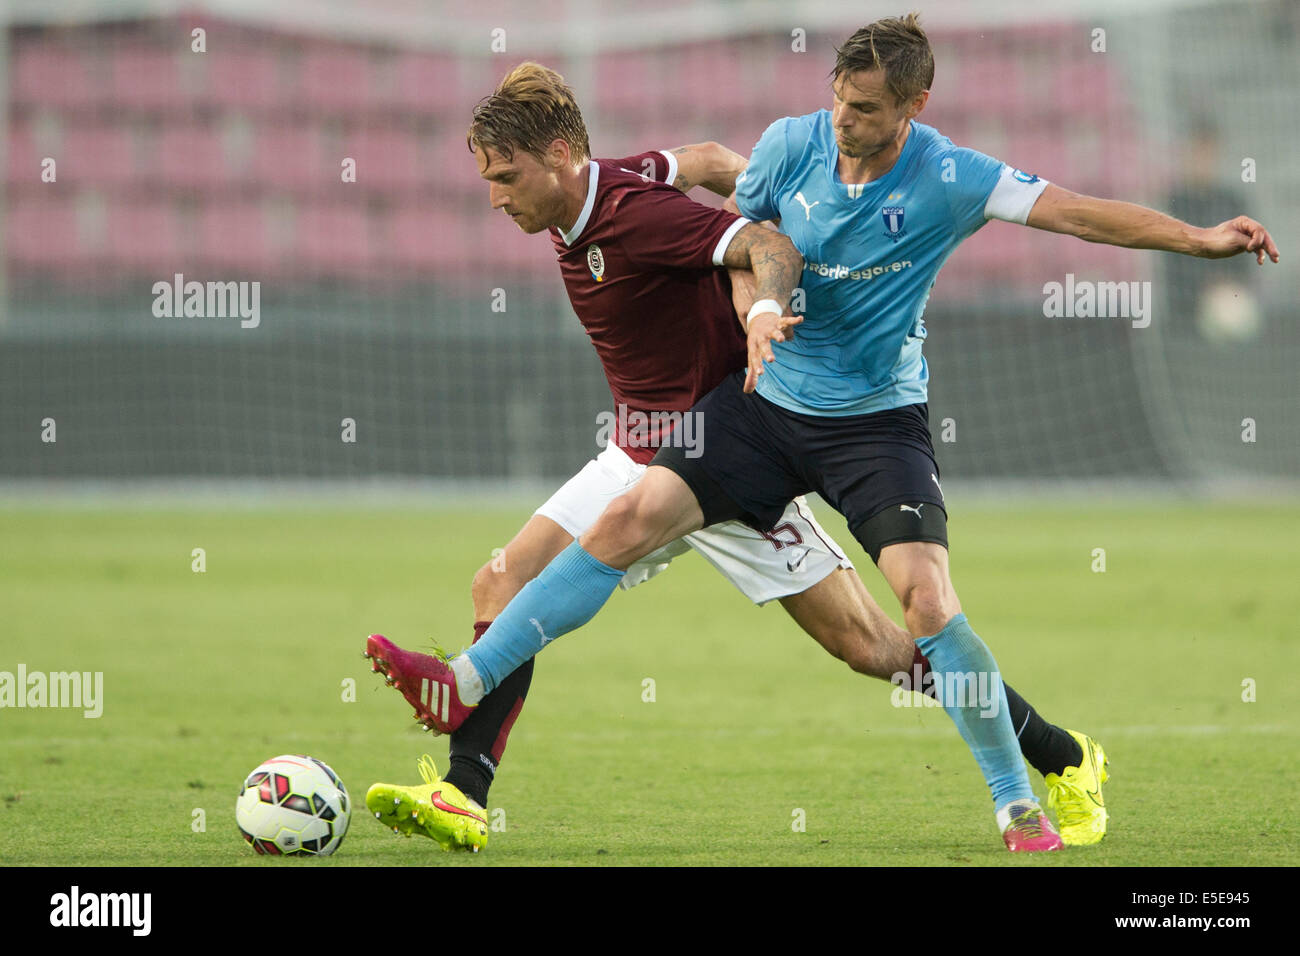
(643, 266)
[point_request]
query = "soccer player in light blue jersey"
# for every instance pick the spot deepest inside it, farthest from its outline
(875, 202)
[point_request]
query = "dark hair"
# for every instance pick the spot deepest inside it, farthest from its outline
(896, 45)
(530, 109)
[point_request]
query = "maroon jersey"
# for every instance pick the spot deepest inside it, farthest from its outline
(641, 266)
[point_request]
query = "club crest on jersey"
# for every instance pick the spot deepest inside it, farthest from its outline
(893, 217)
(596, 262)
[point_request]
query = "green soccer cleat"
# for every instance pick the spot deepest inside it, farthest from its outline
(1075, 795)
(434, 809)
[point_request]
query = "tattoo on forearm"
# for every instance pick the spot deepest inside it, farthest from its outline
(776, 263)
(682, 183)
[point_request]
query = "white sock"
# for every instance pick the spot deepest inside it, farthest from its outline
(468, 684)
(1013, 809)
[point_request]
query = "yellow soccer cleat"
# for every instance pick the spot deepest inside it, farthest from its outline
(1075, 795)
(434, 809)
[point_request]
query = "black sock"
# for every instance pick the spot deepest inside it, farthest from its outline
(477, 745)
(1048, 748)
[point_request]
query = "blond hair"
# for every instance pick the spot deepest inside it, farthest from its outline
(530, 109)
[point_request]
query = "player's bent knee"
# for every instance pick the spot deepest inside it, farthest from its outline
(492, 585)
(928, 606)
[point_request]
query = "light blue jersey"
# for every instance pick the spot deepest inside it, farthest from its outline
(871, 253)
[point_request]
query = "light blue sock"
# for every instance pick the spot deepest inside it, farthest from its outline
(970, 688)
(565, 596)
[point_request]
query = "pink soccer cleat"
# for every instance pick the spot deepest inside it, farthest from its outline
(1030, 831)
(425, 680)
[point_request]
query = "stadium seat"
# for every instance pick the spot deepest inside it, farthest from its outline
(23, 158)
(387, 159)
(145, 237)
(147, 78)
(41, 233)
(990, 83)
(292, 157)
(454, 168)
(1084, 85)
(629, 81)
(246, 78)
(430, 83)
(192, 157)
(99, 155)
(334, 239)
(236, 235)
(48, 76)
(717, 69)
(334, 80)
(1046, 154)
(422, 239)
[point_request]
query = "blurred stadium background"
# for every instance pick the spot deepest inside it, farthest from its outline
(377, 296)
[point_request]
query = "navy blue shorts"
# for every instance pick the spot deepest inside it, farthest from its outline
(877, 470)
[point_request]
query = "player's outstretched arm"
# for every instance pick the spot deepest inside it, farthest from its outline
(710, 165)
(777, 267)
(1137, 227)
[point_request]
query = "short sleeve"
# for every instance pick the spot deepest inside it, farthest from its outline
(758, 187)
(968, 178)
(657, 164)
(664, 228)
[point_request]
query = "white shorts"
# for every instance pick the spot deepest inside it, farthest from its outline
(791, 558)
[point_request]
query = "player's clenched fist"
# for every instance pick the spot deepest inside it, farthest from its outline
(764, 329)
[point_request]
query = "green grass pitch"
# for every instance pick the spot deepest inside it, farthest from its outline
(207, 674)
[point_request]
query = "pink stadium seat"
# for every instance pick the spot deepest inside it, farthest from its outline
(516, 250)
(1085, 84)
(388, 159)
(292, 157)
(631, 80)
(49, 76)
(423, 240)
(713, 78)
(334, 80)
(430, 83)
(23, 162)
(41, 233)
(192, 157)
(98, 155)
(1046, 154)
(246, 79)
(990, 83)
(236, 236)
(334, 239)
(145, 237)
(147, 77)
(453, 166)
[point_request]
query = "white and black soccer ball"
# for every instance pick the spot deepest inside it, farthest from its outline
(293, 805)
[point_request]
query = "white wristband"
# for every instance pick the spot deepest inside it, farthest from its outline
(761, 306)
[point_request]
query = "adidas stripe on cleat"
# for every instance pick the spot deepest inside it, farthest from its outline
(426, 681)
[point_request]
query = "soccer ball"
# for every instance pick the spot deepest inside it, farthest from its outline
(293, 805)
